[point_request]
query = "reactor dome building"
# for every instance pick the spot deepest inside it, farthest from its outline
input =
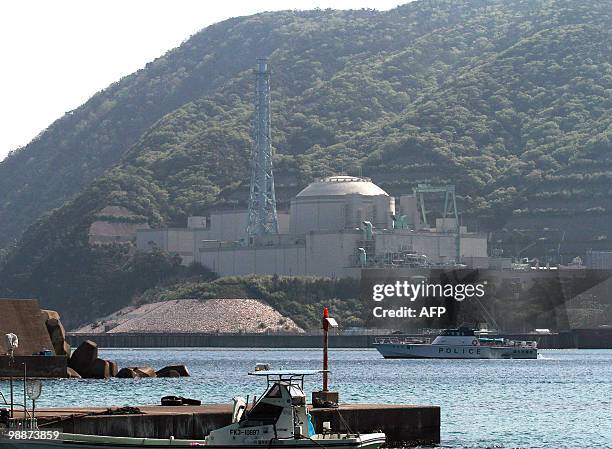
(340, 202)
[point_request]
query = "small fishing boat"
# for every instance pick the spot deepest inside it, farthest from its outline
(278, 419)
(462, 343)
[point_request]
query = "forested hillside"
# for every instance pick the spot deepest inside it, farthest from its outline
(509, 100)
(89, 140)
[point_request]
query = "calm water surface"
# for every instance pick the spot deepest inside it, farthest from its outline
(562, 400)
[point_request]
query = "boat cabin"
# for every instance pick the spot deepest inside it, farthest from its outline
(460, 332)
(280, 413)
(463, 336)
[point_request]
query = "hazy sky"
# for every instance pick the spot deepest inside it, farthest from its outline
(57, 53)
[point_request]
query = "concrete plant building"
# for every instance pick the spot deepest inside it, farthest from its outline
(335, 227)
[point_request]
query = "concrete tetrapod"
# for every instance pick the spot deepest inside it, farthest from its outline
(83, 357)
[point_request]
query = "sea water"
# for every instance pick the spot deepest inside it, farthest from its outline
(561, 400)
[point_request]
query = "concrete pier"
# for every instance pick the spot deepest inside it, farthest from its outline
(404, 425)
(36, 365)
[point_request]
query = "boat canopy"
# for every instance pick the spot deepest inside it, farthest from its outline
(286, 372)
(291, 377)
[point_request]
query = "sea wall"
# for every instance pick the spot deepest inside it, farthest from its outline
(584, 338)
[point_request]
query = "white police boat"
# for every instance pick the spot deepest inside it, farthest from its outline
(278, 419)
(461, 343)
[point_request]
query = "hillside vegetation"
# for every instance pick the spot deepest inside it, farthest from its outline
(300, 297)
(509, 100)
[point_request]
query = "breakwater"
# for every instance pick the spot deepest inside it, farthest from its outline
(35, 366)
(404, 425)
(578, 338)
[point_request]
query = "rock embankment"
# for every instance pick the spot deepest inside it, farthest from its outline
(222, 315)
(56, 332)
(85, 363)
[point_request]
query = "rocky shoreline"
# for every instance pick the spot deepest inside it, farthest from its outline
(84, 362)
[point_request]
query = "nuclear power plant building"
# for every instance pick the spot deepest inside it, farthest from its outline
(336, 226)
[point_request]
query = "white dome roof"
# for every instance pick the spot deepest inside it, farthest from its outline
(342, 185)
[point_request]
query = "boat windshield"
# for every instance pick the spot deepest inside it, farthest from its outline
(263, 414)
(274, 392)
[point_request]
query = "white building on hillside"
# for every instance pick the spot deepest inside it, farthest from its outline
(335, 227)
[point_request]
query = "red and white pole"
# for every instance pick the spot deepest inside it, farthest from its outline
(325, 346)
(325, 398)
